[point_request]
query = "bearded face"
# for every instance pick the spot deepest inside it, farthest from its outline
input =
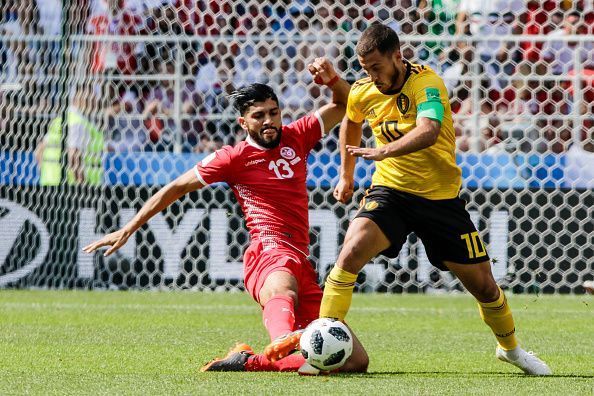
(263, 123)
(382, 70)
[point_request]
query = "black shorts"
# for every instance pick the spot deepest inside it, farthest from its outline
(443, 225)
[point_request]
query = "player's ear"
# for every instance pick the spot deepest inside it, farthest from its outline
(242, 123)
(396, 56)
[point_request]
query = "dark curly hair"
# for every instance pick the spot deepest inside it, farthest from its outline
(246, 96)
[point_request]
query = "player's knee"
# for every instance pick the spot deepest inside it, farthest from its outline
(488, 292)
(362, 363)
(291, 294)
(352, 257)
(277, 291)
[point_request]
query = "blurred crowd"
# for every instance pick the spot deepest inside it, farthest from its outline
(161, 84)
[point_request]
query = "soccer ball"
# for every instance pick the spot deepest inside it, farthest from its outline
(326, 344)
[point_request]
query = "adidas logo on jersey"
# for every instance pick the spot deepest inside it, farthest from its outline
(371, 114)
(254, 162)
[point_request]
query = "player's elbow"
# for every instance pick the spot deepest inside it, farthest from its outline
(338, 110)
(432, 136)
(332, 114)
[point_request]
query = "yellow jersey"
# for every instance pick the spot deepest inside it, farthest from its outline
(431, 173)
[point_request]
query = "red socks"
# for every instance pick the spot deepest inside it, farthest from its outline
(279, 316)
(279, 319)
(260, 363)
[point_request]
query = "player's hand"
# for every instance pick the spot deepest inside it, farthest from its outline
(322, 70)
(116, 240)
(344, 190)
(368, 153)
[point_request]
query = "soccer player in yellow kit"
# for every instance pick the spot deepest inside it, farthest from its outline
(415, 188)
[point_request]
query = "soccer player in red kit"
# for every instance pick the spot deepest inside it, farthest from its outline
(267, 173)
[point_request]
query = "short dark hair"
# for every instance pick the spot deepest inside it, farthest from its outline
(378, 37)
(574, 14)
(246, 96)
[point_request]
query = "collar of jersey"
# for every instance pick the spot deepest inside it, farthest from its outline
(251, 142)
(406, 76)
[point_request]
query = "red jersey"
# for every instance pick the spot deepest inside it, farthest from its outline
(270, 184)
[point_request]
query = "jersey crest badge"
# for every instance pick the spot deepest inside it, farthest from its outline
(371, 205)
(403, 103)
(287, 153)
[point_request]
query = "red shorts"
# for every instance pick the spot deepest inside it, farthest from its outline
(258, 264)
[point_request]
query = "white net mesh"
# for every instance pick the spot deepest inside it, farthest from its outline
(102, 102)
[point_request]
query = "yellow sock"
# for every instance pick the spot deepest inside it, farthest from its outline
(498, 317)
(338, 294)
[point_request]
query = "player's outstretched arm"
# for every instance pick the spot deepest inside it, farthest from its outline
(423, 136)
(162, 199)
(324, 74)
(349, 135)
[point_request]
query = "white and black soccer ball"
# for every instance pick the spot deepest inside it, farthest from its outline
(326, 344)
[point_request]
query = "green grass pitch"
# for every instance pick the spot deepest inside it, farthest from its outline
(78, 342)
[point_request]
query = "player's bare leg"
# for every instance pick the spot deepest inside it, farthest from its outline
(356, 363)
(364, 240)
(359, 360)
(478, 280)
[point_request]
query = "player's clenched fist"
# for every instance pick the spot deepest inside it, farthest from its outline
(322, 71)
(344, 190)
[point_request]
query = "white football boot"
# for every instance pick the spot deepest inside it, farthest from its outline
(308, 369)
(526, 361)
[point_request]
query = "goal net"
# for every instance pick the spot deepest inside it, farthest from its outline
(102, 102)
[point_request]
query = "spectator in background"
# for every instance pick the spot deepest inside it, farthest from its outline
(579, 168)
(123, 21)
(162, 20)
(466, 126)
(162, 93)
(204, 145)
(255, 21)
(312, 25)
(253, 67)
(215, 76)
(159, 99)
(540, 18)
(207, 78)
(85, 144)
(98, 24)
(282, 19)
(455, 67)
(50, 24)
(294, 83)
(561, 55)
(440, 18)
(492, 18)
(226, 75)
(22, 57)
(208, 11)
(399, 15)
(126, 130)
